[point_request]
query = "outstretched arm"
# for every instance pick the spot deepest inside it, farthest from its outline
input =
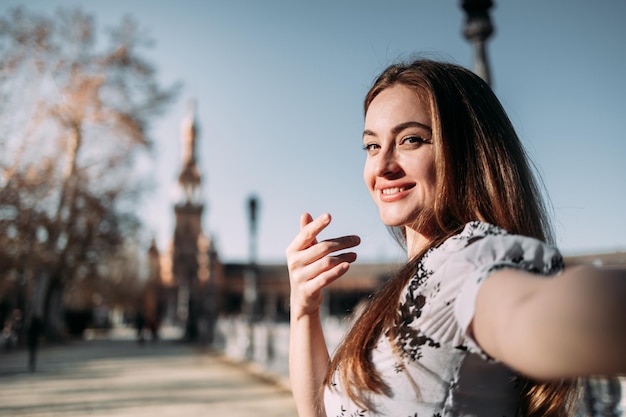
(571, 325)
(312, 266)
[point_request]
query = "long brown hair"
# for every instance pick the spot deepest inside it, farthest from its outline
(478, 156)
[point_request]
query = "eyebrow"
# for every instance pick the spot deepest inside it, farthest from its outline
(399, 128)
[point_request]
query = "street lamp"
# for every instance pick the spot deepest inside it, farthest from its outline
(478, 28)
(250, 275)
(253, 207)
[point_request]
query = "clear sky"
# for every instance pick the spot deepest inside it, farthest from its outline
(279, 88)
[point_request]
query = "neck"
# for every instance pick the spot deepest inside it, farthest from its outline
(416, 242)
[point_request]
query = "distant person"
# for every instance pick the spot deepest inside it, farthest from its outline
(483, 319)
(33, 335)
(140, 324)
(153, 326)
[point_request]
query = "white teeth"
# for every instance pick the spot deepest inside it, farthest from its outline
(392, 190)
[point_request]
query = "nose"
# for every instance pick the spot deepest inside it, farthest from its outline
(387, 163)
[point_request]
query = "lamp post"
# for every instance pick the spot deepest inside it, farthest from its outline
(253, 206)
(478, 28)
(250, 275)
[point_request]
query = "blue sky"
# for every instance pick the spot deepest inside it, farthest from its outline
(279, 88)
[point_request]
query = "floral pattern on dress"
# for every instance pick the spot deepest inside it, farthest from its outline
(408, 338)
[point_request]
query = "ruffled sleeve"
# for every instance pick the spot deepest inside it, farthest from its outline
(455, 272)
(494, 252)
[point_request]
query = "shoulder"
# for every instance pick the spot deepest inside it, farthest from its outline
(483, 246)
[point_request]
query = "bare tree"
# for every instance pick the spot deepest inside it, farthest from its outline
(73, 115)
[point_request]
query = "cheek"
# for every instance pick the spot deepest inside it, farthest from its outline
(431, 178)
(425, 170)
(367, 174)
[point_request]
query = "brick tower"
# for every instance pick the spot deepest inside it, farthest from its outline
(188, 210)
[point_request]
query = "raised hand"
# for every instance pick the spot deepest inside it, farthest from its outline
(313, 265)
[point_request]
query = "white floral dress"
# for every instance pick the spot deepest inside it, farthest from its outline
(440, 371)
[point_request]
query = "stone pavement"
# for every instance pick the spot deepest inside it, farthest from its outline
(121, 378)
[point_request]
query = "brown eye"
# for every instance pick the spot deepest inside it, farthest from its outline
(413, 140)
(370, 147)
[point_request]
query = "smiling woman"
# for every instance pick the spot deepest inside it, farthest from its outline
(400, 166)
(484, 299)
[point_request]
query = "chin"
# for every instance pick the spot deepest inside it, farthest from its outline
(393, 221)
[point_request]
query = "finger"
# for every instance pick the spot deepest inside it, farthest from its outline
(327, 277)
(309, 229)
(305, 219)
(314, 226)
(330, 246)
(328, 263)
(312, 271)
(301, 257)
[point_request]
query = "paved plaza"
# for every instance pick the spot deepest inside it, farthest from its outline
(122, 378)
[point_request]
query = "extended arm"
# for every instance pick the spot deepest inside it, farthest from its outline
(571, 325)
(312, 267)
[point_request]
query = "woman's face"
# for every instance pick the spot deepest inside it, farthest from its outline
(400, 165)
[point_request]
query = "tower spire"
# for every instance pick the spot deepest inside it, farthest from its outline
(189, 178)
(188, 134)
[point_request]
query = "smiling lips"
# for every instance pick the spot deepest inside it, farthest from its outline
(392, 190)
(394, 193)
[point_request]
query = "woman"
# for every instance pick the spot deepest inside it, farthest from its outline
(482, 320)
